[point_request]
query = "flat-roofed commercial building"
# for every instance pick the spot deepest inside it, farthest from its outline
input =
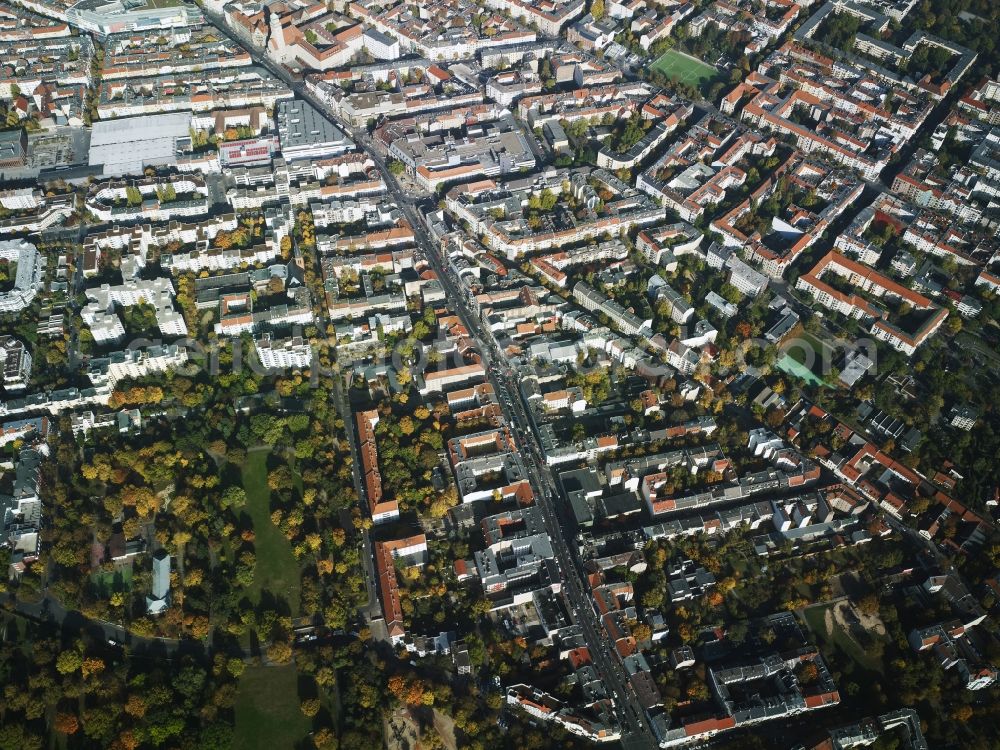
(305, 133)
(129, 145)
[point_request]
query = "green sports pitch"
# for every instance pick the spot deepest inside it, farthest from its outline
(684, 69)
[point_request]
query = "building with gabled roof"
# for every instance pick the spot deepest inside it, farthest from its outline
(380, 509)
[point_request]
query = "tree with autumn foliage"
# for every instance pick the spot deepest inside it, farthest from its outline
(66, 723)
(51, 694)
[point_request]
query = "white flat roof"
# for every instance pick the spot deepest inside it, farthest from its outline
(126, 145)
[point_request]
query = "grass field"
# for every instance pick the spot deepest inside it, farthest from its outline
(267, 710)
(804, 357)
(839, 638)
(683, 68)
(107, 582)
(806, 349)
(277, 571)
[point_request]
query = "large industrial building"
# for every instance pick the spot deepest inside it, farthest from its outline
(130, 144)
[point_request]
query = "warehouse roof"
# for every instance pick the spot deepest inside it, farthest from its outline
(126, 145)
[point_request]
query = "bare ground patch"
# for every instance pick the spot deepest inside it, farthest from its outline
(403, 730)
(850, 617)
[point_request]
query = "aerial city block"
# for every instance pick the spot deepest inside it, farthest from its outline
(486, 374)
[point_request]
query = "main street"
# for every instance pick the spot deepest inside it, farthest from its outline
(636, 734)
(48, 609)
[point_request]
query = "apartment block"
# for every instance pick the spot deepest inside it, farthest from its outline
(16, 364)
(863, 308)
(411, 551)
(795, 228)
(30, 265)
(151, 198)
(240, 87)
(184, 49)
(380, 508)
(627, 322)
(803, 82)
(701, 165)
(21, 512)
(488, 149)
(549, 16)
(283, 354)
(440, 30)
(100, 311)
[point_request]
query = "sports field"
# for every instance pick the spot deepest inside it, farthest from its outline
(789, 364)
(683, 68)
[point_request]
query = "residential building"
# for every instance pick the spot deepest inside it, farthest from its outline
(781, 697)
(29, 264)
(777, 244)
(99, 313)
(627, 322)
(150, 198)
(489, 149)
(26, 430)
(21, 512)
(247, 86)
(861, 307)
(412, 551)
(549, 16)
(283, 354)
(380, 509)
(963, 417)
(954, 647)
(512, 569)
(159, 51)
(439, 30)
(595, 722)
(806, 81)
(673, 115)
(16, 364)
(109, 371)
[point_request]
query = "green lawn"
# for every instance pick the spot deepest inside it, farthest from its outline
(839, 639)
(267, 710)
(805, 357)
(107, 582)
(685, 69)
(277, 570)
(806, 349)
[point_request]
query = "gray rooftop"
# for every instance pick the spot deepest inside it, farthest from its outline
(128, 144)
(301, 125)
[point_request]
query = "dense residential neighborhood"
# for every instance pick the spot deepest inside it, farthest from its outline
(500, 374)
